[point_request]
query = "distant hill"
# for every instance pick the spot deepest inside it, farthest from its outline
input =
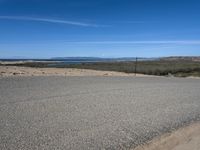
(186, 58)
(99, 59)
(92, 59)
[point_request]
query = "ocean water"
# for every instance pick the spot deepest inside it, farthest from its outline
(58, 62)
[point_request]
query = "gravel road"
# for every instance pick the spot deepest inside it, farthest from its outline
(93, 112)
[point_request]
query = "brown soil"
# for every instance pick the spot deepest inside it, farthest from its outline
(186, 138)
(6, 71)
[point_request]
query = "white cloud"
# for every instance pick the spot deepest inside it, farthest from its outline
(50, 21)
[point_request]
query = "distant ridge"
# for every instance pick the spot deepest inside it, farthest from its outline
(100, 59)
(103, 59)
(186, 58)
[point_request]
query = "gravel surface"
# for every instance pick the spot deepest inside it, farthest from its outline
(93, 112)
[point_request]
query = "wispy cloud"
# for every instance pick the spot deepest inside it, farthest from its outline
(130, 22)
(83, 24)
(190, 42)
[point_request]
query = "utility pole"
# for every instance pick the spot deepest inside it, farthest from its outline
(136, 59)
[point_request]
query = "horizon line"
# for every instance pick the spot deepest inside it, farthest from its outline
(111, 57)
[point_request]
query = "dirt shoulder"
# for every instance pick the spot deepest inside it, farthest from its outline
(6, 71)
(186, 138)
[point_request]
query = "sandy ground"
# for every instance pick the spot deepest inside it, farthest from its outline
(6, 71)
(22, 62)
(186, 138)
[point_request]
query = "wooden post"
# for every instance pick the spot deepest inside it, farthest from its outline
(136, 59)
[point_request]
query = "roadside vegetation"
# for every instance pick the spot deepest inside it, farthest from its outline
(160, 68)
(178, 68)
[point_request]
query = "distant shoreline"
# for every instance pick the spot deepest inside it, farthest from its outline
(168, 66)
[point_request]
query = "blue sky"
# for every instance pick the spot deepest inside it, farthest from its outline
(100, 28)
